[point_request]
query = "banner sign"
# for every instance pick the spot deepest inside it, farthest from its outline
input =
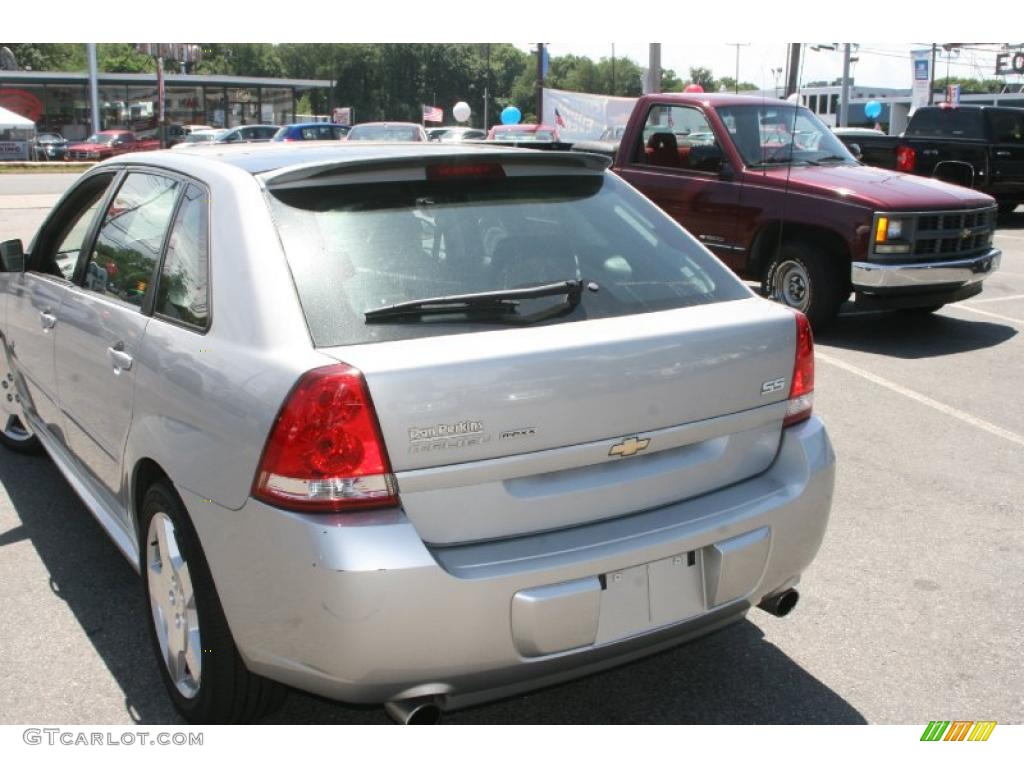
(953, 95)
(583, 116)
(922, 63)
(13, 150)
(342, 115)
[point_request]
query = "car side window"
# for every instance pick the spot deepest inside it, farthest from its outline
(183, 287)
(131, 238)
(56, 249)
(677, 136)
(1008, 128)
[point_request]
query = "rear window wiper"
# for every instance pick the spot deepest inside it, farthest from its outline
(500, 306)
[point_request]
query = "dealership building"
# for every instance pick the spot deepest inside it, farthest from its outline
(59, 101)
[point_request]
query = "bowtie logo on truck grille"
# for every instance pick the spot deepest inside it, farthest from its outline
(629, 447)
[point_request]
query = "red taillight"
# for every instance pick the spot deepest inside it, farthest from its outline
(465, 171)
(325, 452)
(801, 391)
(905, 159)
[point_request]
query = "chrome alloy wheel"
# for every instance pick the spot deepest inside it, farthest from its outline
(173, 604)
(15, 431)
(791, 285)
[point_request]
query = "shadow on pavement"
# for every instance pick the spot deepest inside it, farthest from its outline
(732, 676)
(909, 336)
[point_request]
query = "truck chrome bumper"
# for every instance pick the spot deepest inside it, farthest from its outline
(871, 276)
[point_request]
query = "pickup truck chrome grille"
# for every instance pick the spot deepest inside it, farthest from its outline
(953, 233)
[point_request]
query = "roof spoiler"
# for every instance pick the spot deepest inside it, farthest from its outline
(399, 168)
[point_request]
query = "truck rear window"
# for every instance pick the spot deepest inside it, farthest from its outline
(950, 123)
(357, 247)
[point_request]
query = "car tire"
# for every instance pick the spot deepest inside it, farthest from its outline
(17, 437)
(199, 663)
(802, 276)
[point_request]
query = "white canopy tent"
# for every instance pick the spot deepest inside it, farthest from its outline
(17, 134)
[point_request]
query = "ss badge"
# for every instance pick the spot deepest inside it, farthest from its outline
(775, 385)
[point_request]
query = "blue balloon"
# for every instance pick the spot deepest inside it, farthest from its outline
(511, 116)
(872, 109)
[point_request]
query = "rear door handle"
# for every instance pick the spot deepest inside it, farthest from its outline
(48, 320)
(122, 360)
(1002, 153)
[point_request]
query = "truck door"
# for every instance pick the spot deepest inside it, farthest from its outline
(677, 163)
(1006, 128)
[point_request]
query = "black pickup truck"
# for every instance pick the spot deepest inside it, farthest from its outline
(975, 146)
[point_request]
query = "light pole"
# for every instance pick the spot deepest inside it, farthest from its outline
(737, 46)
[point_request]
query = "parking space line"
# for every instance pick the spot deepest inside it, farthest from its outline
(965, 308)
(949, 410)
(996, 298)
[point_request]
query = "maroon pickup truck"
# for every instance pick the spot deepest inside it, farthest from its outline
(773, 193)
(106, 144)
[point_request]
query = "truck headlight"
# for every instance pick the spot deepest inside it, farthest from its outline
(888, 229)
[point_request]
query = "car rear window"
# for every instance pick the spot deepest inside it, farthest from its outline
(358, 247)
(954, 123)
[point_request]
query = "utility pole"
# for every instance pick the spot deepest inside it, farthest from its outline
(654, 68)
(793, 70)
(94, 87)
(844, 93)
(737, 46)
(487, 81)
(613, 69)
(931, 73)
(540, 82)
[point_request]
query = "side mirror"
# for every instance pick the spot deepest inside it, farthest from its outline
(726, 172)
(12, 256)
(855, 150)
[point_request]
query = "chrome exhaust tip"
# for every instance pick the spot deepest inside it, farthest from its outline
(423, 711)
(780, 604)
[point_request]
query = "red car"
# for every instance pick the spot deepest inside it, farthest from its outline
(523, 132)
(106, 144)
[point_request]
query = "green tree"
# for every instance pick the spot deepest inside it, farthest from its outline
(703, 77)
(49, 57)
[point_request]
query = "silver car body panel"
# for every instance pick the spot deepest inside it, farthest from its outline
(721, 507)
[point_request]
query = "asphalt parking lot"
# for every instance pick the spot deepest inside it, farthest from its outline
(910, 613)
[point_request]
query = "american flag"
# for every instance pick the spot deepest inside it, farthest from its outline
(558, 119)
(433, 114)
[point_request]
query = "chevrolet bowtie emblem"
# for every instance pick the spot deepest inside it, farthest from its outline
(629, 446)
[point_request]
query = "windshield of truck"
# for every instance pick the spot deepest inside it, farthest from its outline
(952, 123)
(769, 134)
(100, 138)
(356, 248)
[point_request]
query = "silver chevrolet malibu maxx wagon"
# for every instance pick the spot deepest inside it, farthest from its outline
(416, 425)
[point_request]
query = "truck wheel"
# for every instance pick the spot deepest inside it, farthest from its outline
(802, 277)
(200, 666)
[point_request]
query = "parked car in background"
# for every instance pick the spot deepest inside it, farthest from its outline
(106, 144)
(178, 133)
(981, 147)
(245, 134)
(312, 132)
(200, 137)
(456, 133)
(523, 132)
(387, 132)
(869, 145)
(50, 146)
(774, 193)
(475, 421)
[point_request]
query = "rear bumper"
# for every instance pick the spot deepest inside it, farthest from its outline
(874, 277)
(369, 613)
